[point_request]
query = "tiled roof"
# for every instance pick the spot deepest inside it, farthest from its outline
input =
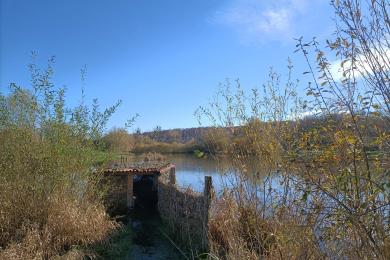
(139, 168)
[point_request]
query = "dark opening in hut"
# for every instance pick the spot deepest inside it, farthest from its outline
(145, 192)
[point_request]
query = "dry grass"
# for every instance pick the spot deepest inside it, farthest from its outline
(45, 209)
(65, 223)
(185, 214)
(238, 231)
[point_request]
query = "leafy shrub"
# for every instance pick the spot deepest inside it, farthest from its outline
(330, 190)
(49, 200)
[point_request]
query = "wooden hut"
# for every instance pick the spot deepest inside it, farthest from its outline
(124, 174)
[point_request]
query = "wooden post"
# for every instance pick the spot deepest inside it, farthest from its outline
(130, 201)
(171, 203)
(172, 176)
(208, 186)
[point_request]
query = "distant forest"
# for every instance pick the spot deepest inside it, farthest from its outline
(178, 135)
(211, 139)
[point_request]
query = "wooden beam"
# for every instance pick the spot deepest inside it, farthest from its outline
(208, 186)
(207, 193)
(130, 200)
(172, 176)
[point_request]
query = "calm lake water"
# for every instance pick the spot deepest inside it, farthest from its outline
(190, 171)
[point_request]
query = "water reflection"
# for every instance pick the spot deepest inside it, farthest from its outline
(190, 172)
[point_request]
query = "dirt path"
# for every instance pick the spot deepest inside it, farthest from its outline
(148, 241)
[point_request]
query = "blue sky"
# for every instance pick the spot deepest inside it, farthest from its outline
(162, 58)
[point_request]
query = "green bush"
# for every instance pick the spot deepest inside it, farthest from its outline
(49, 200)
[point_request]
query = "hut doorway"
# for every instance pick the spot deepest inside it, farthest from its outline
(145, 192)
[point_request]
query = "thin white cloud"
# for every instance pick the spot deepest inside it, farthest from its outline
(363, 66)
(275, 20)
(262, 20)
